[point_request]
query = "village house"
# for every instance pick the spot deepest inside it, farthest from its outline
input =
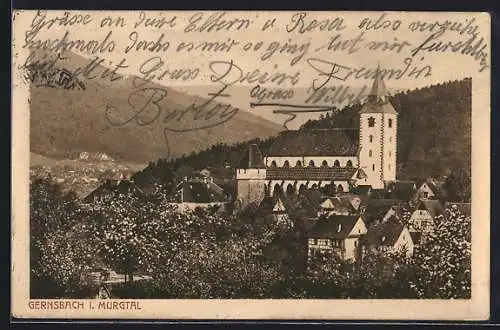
(403, 190)
(429, 189)
(198, 191)
(338, 234)
(389, 236)
(422, 218)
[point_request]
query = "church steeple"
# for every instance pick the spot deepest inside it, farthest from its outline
(378, 92)
(378, 98)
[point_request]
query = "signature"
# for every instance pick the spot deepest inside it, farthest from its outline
(148, 105)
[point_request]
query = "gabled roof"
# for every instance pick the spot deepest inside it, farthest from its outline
(316, 142)
(312, 173)
(383, 234)
(335, 226)
(363, 190)
(111, 187)
(199, 192)
(433, 206)
(252, 158)
(376, 209)
(404, 190)
(378, 98)
(463, 208)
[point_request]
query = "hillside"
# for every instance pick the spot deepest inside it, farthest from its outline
(67, 122)
(434, 128)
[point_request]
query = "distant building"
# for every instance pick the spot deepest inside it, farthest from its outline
(389, 236)
(338, 234)
(340, 158)
(430, 189)
(422, 218)
(198, 191)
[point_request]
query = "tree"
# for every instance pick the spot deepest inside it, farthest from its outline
(442, 266)
(60, 256)
(458, 186)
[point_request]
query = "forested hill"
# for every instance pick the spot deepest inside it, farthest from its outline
(434, 128)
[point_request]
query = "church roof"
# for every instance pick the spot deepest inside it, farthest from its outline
(317, 142)
(311, 173)
(252, 158)
(378, 101)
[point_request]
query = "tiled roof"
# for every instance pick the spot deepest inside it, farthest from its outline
(311, 173)
(404, 190)
(199, 192)
(383, 107)
(377, 208)
(385, 233)
(252, 158)
(363, 190)
(378, 97)
(319, 142)
(335, 226)
(433, 206)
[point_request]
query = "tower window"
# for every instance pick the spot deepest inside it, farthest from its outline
(370, 153)
(390, 122)
(390, 139)
(371, 122)
(373, 167)
(389, 166)
(371, 138)
(390, 153)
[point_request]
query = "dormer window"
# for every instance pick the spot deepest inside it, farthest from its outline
(383, 239)
(371, 122)
(339, 228)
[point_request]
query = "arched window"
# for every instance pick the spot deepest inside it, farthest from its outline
(298, 164)
(348, 164)
(286, 163)
(371, 122)
(290, 189)
(340, 188)
(311, 163)
(273, 164)
(336, 163)
(371, 138)
(373, 167)
(324, 164)
(370, 153)
(390, 122)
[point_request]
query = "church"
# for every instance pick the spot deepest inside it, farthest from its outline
(342, 158)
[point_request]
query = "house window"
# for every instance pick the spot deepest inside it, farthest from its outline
(371, 122)
(370, 153)
(349, 163)
(336, 163)
(355, 243)
(390, 122)
(371, 138)
(286, 164)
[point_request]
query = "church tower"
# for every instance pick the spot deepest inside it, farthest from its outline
(378, 136)
(251, 176)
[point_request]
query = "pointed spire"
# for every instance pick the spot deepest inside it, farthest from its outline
(378, 91)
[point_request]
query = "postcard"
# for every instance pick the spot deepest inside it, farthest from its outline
(250, 165)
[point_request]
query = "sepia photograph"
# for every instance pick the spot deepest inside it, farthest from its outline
(250, 156)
